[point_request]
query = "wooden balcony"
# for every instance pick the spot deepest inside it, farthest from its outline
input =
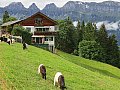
(45, 33)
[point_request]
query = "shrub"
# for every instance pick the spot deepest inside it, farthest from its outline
(17, 30)
(20, 31)
(26, 37)
(90, 50)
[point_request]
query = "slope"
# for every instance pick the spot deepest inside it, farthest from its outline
(94, 66)
(18, 71)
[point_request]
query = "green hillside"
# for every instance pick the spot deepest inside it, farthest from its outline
(18, 70)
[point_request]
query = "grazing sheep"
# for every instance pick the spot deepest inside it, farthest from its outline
(59, 80)
(42, 70)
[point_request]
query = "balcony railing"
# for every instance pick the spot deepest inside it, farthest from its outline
(45, 33)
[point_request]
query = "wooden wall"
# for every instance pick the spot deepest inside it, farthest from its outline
(31, 21)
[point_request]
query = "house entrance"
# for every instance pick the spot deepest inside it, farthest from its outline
(38, 40)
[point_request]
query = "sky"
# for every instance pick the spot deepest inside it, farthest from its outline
(41, 3)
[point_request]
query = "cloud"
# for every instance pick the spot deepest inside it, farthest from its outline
(109, 25)
(75, 23)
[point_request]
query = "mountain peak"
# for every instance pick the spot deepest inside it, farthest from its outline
(33, 5)
(33, 9)
(50, 6)
(15, 5)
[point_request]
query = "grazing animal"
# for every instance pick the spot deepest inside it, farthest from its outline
(8, 41)
(42, 70)
(1, 39)
(59, 80)
(24, 45)
(12, 41)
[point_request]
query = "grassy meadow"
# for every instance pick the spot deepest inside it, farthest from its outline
(18, 70)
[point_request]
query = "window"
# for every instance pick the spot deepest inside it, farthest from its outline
(33, 39)
(39, 29)
(42, 29)
(38, 21)
(47, 29)
(28, 29)
(48, 38)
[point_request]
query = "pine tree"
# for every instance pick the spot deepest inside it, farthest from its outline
(113, 51)
(95, 31)
(89, 32)
(102, 39)
(78, 36)
(5, 17)
(83, 29)
(65, 39)
(79, 32)
(70, 40)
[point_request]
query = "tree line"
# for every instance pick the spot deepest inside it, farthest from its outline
(85, 40)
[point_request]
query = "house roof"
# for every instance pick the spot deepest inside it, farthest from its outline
(43, 16)
(10, 23)
(17, 21)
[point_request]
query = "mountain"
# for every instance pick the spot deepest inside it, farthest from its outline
(33, 9)
(15, 6)
(52, 11)
(18, 10)
(18, 70)
(77, 10)
(1, 12)
(92, 11)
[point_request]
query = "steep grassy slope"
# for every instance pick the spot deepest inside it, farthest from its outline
(18, 70)
(94, 66)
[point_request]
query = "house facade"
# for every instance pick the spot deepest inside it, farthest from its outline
(42, 27)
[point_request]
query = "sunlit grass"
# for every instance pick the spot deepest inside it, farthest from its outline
(19, 70)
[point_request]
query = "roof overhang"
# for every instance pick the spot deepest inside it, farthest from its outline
(10, 23)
